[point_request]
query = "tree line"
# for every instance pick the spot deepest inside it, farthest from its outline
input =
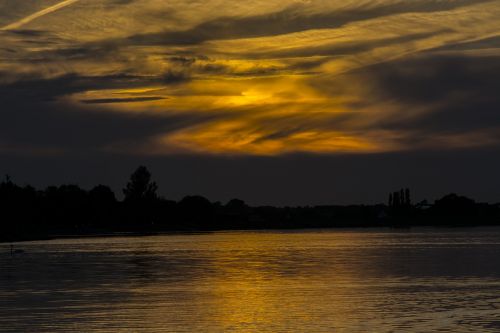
(28, 213)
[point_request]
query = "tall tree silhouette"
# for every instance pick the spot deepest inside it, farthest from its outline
(140, 187)
(407, 197)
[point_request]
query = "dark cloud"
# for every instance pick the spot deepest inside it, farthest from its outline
(26, 32)
(427, 101)
(346, 48)
(483, 43)
(292, 19)
(37, 88)
(34, 88)
(289, 20)
(121, 100)
(284, 133)
(33, 115)
(462, 92)
(120, 2)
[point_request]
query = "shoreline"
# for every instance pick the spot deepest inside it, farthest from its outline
(61, 236)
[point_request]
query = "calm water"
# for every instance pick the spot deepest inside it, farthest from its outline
(308, 281)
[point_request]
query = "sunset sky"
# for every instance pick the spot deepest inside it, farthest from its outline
(276, 102)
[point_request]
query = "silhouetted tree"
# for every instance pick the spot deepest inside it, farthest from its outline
(400, 208)
(65, 206)
(454, 206)
(197, 211)
(103, 204)
(102, 194)
(26, 213)
(140, 187)
(8, 209)
(407, 197)
(396, 199)
(236, 205)
(400, 198)
(141, 201)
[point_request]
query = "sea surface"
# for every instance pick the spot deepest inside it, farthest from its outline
(418, 280)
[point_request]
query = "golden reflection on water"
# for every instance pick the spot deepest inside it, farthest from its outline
(338, 281)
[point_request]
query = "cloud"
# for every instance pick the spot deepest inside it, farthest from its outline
(121, 100)
(295, 18)
(343, 48)
(41, 13)
(429, 101)
(282, 78)
(459, 90)
(35, 115)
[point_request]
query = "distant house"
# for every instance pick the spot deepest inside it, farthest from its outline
(423, 205)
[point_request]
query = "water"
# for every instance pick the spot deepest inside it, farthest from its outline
(421, 280)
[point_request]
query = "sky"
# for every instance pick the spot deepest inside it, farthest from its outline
(283, 102)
